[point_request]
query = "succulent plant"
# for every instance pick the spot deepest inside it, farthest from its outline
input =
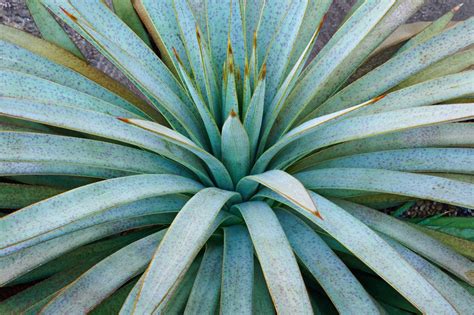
(248, 176)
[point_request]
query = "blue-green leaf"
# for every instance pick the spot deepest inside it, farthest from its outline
(330, 272)
(431, 30)
(446, 135)
(442, 160)
(373, 251)
(126, 12)
(49, 27)
(237, 271)
(101, 125)
(104, 278)
(51, 149)
(413, 239)
(366, 126)
(183, 240)
(403, 66)
(276, 257)
(204, 296)
(394, 182)
(68, 207)
(38, 255)
(235, 148)
(24, 86)
(220, 173)
(283, 184)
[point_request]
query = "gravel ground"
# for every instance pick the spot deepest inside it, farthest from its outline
(15, 13)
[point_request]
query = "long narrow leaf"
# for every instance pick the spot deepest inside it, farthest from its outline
(283, 184)
(204, 296)
(237, 271)
(185, 237)
(49, 27)
(335, 278)
(104, 278)
(413, 239)
(375, 253)
(279, 265)
(65, 208)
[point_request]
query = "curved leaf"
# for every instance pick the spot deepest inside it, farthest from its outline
(34, 147)
(237, 271)
(279, 265)
(330, 272)
(100, 125)
(403, 66)
(204, 296)
(442, 160)
(92, 287)
(183, 240)
(460, 298)
(64, 58)
(49, 28)
(374, 252)
(413, 239)
(36, 256)
(19, 59)
(164, 208)
(19, 85)
(73, 205)
(221, 175)
(370, 125)
(394, 182)
(283, 184)
(447, 135)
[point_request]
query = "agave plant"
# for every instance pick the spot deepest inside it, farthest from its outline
(250, 178)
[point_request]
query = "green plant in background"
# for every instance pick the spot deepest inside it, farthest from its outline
(247, 182)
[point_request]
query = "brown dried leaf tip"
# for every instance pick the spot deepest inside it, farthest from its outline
(231, 66)
(320, 26)
(198, 34)
(254, 40)
(378, 98)
(263, 72)
(126, 120)
(233, 114)
(456, 8)
(318, 214)
(72, 17)
(176, 55)
(229, 48)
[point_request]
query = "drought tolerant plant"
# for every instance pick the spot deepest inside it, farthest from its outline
(247, 182)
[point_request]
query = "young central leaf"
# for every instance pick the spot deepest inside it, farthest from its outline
(235, 147)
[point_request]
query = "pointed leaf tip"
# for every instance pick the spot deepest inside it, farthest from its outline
(457, 8)
(126, 120)
(198, 34)
(229, 47)
(233, 113)
(323, 20)
(263, 72)
(254, 40)
(318, 214)
(378, 98)
(72, 17)
(176, 55)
